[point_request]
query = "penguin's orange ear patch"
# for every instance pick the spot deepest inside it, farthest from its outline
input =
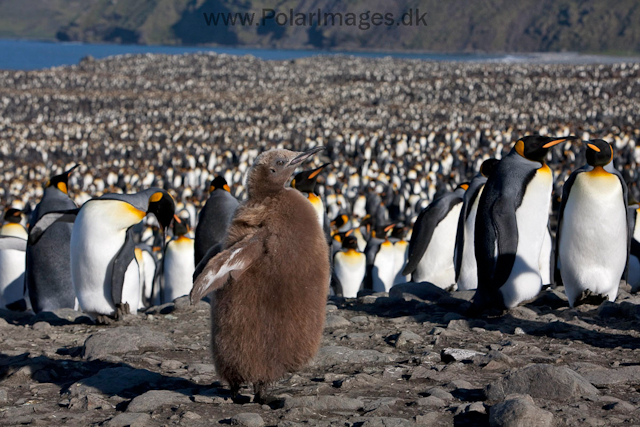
(156, 197)
(465, 186)
(62, 187)
(226, 187)
(594, 148)
(520, 147)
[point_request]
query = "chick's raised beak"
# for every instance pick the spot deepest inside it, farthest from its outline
(305, 155)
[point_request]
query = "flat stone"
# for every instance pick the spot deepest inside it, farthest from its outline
(386, 421)
(407, 337)
(171, 364)
(124, 340)
(338, 355)
(334, 321)
(130, 420)
(432, 402)
(201, 368)
(449, 355)
(601, 377)
(324, 403)
(247, 419)
(541, 381)
(440, 394)
(153, 399)
(519, 411)
(424, 291)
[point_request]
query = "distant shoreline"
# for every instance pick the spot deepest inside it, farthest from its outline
(25, 54)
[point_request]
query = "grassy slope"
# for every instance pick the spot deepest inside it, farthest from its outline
(454, 25)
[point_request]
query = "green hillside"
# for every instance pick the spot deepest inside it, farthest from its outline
(453, 25)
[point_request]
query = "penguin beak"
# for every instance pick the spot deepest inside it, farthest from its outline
(305, 155)
(317, 171)
(594, 148)
(553, 142)
(72, 169)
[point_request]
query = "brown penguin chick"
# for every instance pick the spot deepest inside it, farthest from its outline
(270, 283)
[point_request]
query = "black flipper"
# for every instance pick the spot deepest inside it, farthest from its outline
(121, 262)
(48, 220)
(12, 242)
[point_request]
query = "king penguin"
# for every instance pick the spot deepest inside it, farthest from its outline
(104, 271)
(48, 271)
(13, 244)
(270, 283)
(215, 218)
(464, 255)
(349, 268)
(511, 223)
(433, 241)
(305, 182)
(633, 214)
(381, 260)
(178, 262)
(593, 236)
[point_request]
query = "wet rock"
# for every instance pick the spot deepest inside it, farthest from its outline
(324, 403)
(337, 355)
(123, 340)
(333, 321)
(541, 381)
(152, 400)
(129, 420)
(247, 419)
(519, 411)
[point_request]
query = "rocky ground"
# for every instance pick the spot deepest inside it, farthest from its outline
(386, 360)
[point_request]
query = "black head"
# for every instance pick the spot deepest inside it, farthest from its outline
(305, 181)
(13, 216)
(599, 152)
(219, 183)
(161, 204)
(340, 221)
(536, 147)
(350, 242)
(488, 166)
(61, 182)
(180, 227)
(273, 168)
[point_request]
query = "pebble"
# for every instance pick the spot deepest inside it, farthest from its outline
(247, 419)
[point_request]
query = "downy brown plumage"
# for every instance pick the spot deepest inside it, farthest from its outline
(270, 283)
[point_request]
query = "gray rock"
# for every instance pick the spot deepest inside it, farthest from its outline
(466, 408)
(247, 419)
(41, 326)
(112, 381)
(4, 395)
(183, 304)
(386, 421)
(334, 321)
(201, 368)
(424, 291)
(407, 337)
(458, 325)
(449, 355)
(171, 364)
(541, 381)
(519, 411)
(379, 403)
(124, 340)
(432, 402)
(130, 420)
(360, 320)
(337, 355)
(440, 394)
(601, 377)
(153, 399)
(324, 403)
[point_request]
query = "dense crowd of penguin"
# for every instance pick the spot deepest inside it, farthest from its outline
(473, 176)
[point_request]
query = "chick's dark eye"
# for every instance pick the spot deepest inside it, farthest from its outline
(280, 163)
(273, 170)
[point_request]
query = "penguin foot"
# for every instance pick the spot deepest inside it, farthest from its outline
(261, 395)
(122, 310)
(102, 319)
(588, 297)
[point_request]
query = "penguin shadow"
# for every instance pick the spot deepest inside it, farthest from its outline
(425, 302)
(120, 379)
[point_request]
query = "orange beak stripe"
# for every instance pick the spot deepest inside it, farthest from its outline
(315, 173)
(554, 142)
(348, 233)
(389, 227)
(177, 219)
